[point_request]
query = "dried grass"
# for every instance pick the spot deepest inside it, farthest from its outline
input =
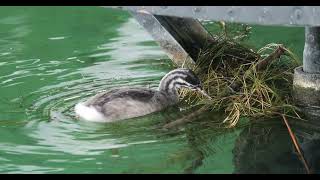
(245, 83)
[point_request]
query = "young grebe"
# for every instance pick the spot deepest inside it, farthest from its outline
(125, 103)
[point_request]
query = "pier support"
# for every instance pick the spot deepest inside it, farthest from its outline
(306, 83)
(181, 38)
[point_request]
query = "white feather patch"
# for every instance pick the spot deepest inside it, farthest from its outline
(89, 113)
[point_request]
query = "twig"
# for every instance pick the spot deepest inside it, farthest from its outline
(183, 120)
(296, 145)
(275, 55)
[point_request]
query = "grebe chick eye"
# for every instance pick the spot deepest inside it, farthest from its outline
(125, 103)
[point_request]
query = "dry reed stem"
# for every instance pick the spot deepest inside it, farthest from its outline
(275, 55)
(185, 119)
(296, 145)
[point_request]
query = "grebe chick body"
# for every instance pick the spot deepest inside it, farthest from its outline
(125, 103)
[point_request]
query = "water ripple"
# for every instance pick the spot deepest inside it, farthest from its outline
(48, 89)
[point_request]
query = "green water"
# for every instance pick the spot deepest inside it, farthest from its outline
(53, 57)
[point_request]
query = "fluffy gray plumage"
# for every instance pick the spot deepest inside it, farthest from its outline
(124, 103)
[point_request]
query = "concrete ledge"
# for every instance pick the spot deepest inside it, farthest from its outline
(306, 93)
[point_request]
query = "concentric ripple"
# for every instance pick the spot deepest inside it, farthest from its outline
(39, 131)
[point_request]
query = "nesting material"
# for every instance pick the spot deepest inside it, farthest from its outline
(243, 82)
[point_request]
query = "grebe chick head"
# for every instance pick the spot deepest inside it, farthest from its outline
(180, 78)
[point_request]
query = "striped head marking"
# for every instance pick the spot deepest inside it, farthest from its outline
(180, 78)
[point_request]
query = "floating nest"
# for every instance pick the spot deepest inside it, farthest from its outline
(242, 82)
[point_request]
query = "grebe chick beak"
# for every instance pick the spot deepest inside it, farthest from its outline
(203, 92)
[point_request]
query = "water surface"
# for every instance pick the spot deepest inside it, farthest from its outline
(53, 57)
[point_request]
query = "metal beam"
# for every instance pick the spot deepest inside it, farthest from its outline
(181, 38)
(264, 15)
